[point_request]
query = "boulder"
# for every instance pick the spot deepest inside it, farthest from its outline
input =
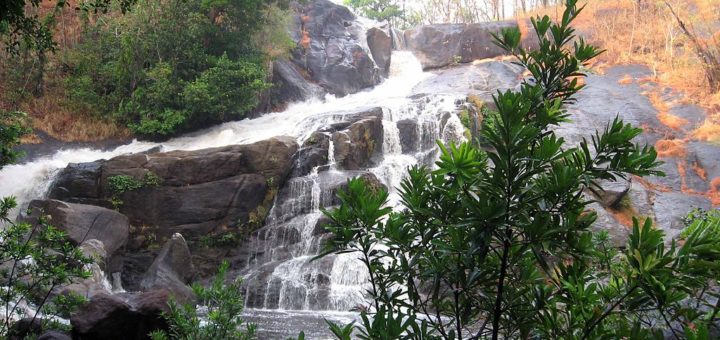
(78, 182)
(97, 282)
(197, 191)
(123, 316)
(409, 135)
(440, 45)
(172, 269)
(671, 208)
(24, 328)
(289, 85)
(613, 192)
(84, 222)
(355, 146)
(313, 153)
(332, 47)
(381, 45)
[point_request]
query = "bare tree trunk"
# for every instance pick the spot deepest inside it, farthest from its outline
(711, 63)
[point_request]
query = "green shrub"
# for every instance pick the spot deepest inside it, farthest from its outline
(36, 260)
(159, 80)
(12, 128)
(222, 320)
(497, 242)
(120, 184)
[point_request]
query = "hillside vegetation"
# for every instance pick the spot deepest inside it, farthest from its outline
(161, 68)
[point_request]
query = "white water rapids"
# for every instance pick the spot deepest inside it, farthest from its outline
(347, 277)
(31, 180)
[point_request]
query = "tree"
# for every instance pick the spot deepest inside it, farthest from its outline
(381, 10)
(708, 53)
(161, 81)
(12, 128)
(497, 243)
(20, 27)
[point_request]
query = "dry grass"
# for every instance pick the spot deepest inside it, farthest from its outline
(699, 171)
(50, 115)
(626, 80)
(708, 131)
(714, 192)
(671, 148)
(649, 35)
(623, 216)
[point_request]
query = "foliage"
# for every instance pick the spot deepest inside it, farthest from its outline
(12, 128)
(497, 243)
(20, 28)
(223, 303)
(36, 259)
(120, 184)
(160, 81)
(381, 10)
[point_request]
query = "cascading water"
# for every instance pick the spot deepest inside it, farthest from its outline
(278, 271)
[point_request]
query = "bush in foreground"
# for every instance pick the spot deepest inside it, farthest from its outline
(496, 243)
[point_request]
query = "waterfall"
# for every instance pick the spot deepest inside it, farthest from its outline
(279, 273)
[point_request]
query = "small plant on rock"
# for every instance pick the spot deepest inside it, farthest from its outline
(222, 305)
(120, 184)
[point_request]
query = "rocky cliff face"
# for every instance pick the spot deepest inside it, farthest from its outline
(200, 194)
(441, 45)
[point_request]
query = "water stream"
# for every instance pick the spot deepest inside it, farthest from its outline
(280, 278)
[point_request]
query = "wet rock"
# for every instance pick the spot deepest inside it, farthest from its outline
(313, 153)
(172, 269)
(124, 316)
(481, 79)
(355, 146)
(440, 45)
(84, 222)
(197, 190)
(134, 266)
(332, 47)
(617, 232)
(380, 45)
(409, 136)
(320, 225)
(670, 208)
(95, 250)
(96, 283)
(79, 182)
(613, 192)
(257, 286)
(289, 85)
